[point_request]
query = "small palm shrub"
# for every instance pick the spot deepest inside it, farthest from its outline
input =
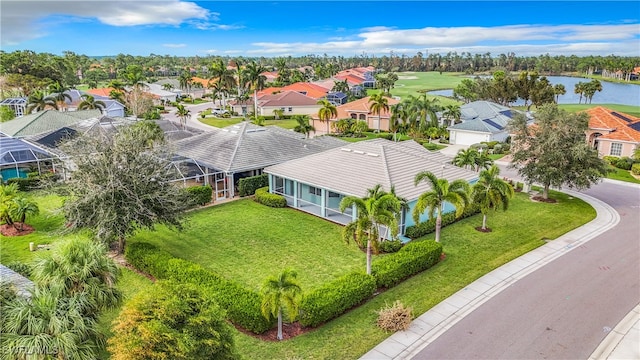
(395, 317)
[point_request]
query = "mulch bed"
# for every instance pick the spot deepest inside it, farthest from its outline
(541, 199)
(487, 230)
(10, 230)
(288, 331)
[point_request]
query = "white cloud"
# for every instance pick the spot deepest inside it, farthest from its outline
(174, 46)
(24, 19)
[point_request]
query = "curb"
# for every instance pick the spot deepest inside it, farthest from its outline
(617, 337)
(429, 326)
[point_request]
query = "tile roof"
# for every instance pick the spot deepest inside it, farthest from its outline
(45, 121)
(619, 129)
(326, 83)
(484, 116)
(356, 167)
(287, 98)
(309, 89)
(358, 106)
(351, 79)
(244, 146)
(100, 92)
(199, 80)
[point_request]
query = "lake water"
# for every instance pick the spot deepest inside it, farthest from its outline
(612, 93)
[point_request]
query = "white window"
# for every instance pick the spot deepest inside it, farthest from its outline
(315, 191)
(616, 149)
(290, 109)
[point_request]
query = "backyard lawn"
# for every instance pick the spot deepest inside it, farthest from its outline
(222, 122)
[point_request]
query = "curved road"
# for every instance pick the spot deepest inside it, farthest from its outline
(564, 309)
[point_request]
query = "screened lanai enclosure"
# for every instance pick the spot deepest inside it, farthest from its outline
(193, 173)
(18, 158)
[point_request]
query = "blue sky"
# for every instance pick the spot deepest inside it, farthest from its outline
(282, 28)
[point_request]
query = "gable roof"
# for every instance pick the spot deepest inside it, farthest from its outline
(484, 116)
(106, 92)
(287, 98)
(622, 127)
(244, 146)
(45, 121)
(356, 167)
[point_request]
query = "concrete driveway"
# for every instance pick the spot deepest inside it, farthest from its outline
(452, 150)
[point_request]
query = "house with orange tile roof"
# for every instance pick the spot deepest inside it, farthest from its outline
(201, 81)
(290, 102)
(359, 110)
(613, 133)
(270, 76)
(106, 92)
(308, 89)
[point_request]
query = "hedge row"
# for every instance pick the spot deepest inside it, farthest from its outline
(200, 195)
(635, 169)
(242, 305)
(334, 298)
(410, 260)
(248, 186)
(429, 226)
(264, 197)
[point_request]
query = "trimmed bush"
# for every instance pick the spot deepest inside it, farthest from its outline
(498, 149)
(410, 260)
(25, 184)
(242, 305)
(429, 226)
(611, 160)
(635, 169)
(391, 246)
(200, 195)
(264, 197)
(332, 299)
(248, 186)
(624, 163)
(430, 146)
(385, 136)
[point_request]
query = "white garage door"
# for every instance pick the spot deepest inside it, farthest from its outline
(466, 138)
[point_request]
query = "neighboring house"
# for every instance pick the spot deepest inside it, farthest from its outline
(175, 85)
(308, 89)
(112, 108)
(290, 102)
(45, 121)
(481, 121)
(317, 183)
(270, 76)
(613, 133)
(229, 154)
(18, 105)
(337, 98)
(159, 93)
(359, 110)
(363, 76)
(19, 157)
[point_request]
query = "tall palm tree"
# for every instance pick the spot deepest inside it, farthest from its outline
(559, 89)
(452, 112)
(580, 88)
(183, 113)
(89, 102)
(279, 293)
(483, 161)
(326, 112)
(466, 158)
(23, 207)
(185, 81)
(398, 120)
(223, 77)
(455, 193)
(378, 103)
(378, 208)
(117, 85)
(38, 101)
(58, 92)
(491, 192)
(253, 75)
(303, 125)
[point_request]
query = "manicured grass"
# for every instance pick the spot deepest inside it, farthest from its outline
(245, 241)
(222, 122)
(622, 175)
(284, 123)
(416, 83)
(470, 254)
(627, 109)
(371, 135)
(496, 156)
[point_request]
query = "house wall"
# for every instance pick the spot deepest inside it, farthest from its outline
(373, 121)
(424, 216)
(604, 148)
(461, 137)
(288, 110)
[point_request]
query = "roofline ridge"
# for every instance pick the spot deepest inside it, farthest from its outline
(241, 134)
(386, 164)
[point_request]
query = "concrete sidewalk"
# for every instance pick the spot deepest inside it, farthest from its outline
(623, 342)
(430, 325)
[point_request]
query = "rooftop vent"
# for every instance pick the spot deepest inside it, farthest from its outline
(374, 155)
(358, 152)
(347, 150)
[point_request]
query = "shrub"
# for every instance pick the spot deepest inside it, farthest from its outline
(264, 197)
(429, 226)
(444, 141)
(396, 317)
(21, 268)
(391, 246)
(332, 299)
(25, 184)
(385, 136)
(242, 305)
(498, 149)
(248, 186)
(611, 160)
(624, 163)
(410, 260)
(430, 146)
(635, 169)
(200, 195)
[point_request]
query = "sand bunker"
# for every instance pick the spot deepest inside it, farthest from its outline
(407, 77)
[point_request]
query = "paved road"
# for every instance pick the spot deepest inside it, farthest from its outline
(566, 308)
(193, 121)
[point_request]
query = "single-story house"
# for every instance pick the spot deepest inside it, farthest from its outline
(613, 133)
(359, 110)
(243, 150)
(481, 121)
(317, 183)
(290, 102)
(112, 108)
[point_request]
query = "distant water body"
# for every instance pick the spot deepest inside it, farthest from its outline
(612, 93)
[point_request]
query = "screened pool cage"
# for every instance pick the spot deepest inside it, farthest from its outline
(18, 158)
(192, 173)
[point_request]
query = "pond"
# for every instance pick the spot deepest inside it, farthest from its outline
(612, 93)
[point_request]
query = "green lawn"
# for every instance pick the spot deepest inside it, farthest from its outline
(622, 175)
(470, 254)
(627, 109)
(496, 156)
(416, 83)
(245, 241)
(222, 122)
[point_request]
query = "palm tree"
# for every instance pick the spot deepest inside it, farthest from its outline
(253, 75)
(559, 89)
(8, 193)
(378, 208)
(22, 207)
(483, 161)
(167, 87)
(38, 101)
(466, 158)
(327, 111)
(491, 192)
(359, 127)
(222, 77)
(279, 293)
(378, 103)
(89, 102)
(398, 120)
(277, 113)
(117, 96)
(117, 85)
(183, 113)
(303, 125)
(455, 192)
(58, 92)
(580, 89)
(452, 112)
(186, 81)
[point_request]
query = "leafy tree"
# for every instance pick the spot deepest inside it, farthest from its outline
(491, 192)
(378, 208)
(121, 184)
(378, 103)
(279, 293)
(172, 321)
(554, 151)
(6, 114)
(89, 102)
(302, 125)
(38, 101)
(466, 90)
(455, 193)
(326, 112)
